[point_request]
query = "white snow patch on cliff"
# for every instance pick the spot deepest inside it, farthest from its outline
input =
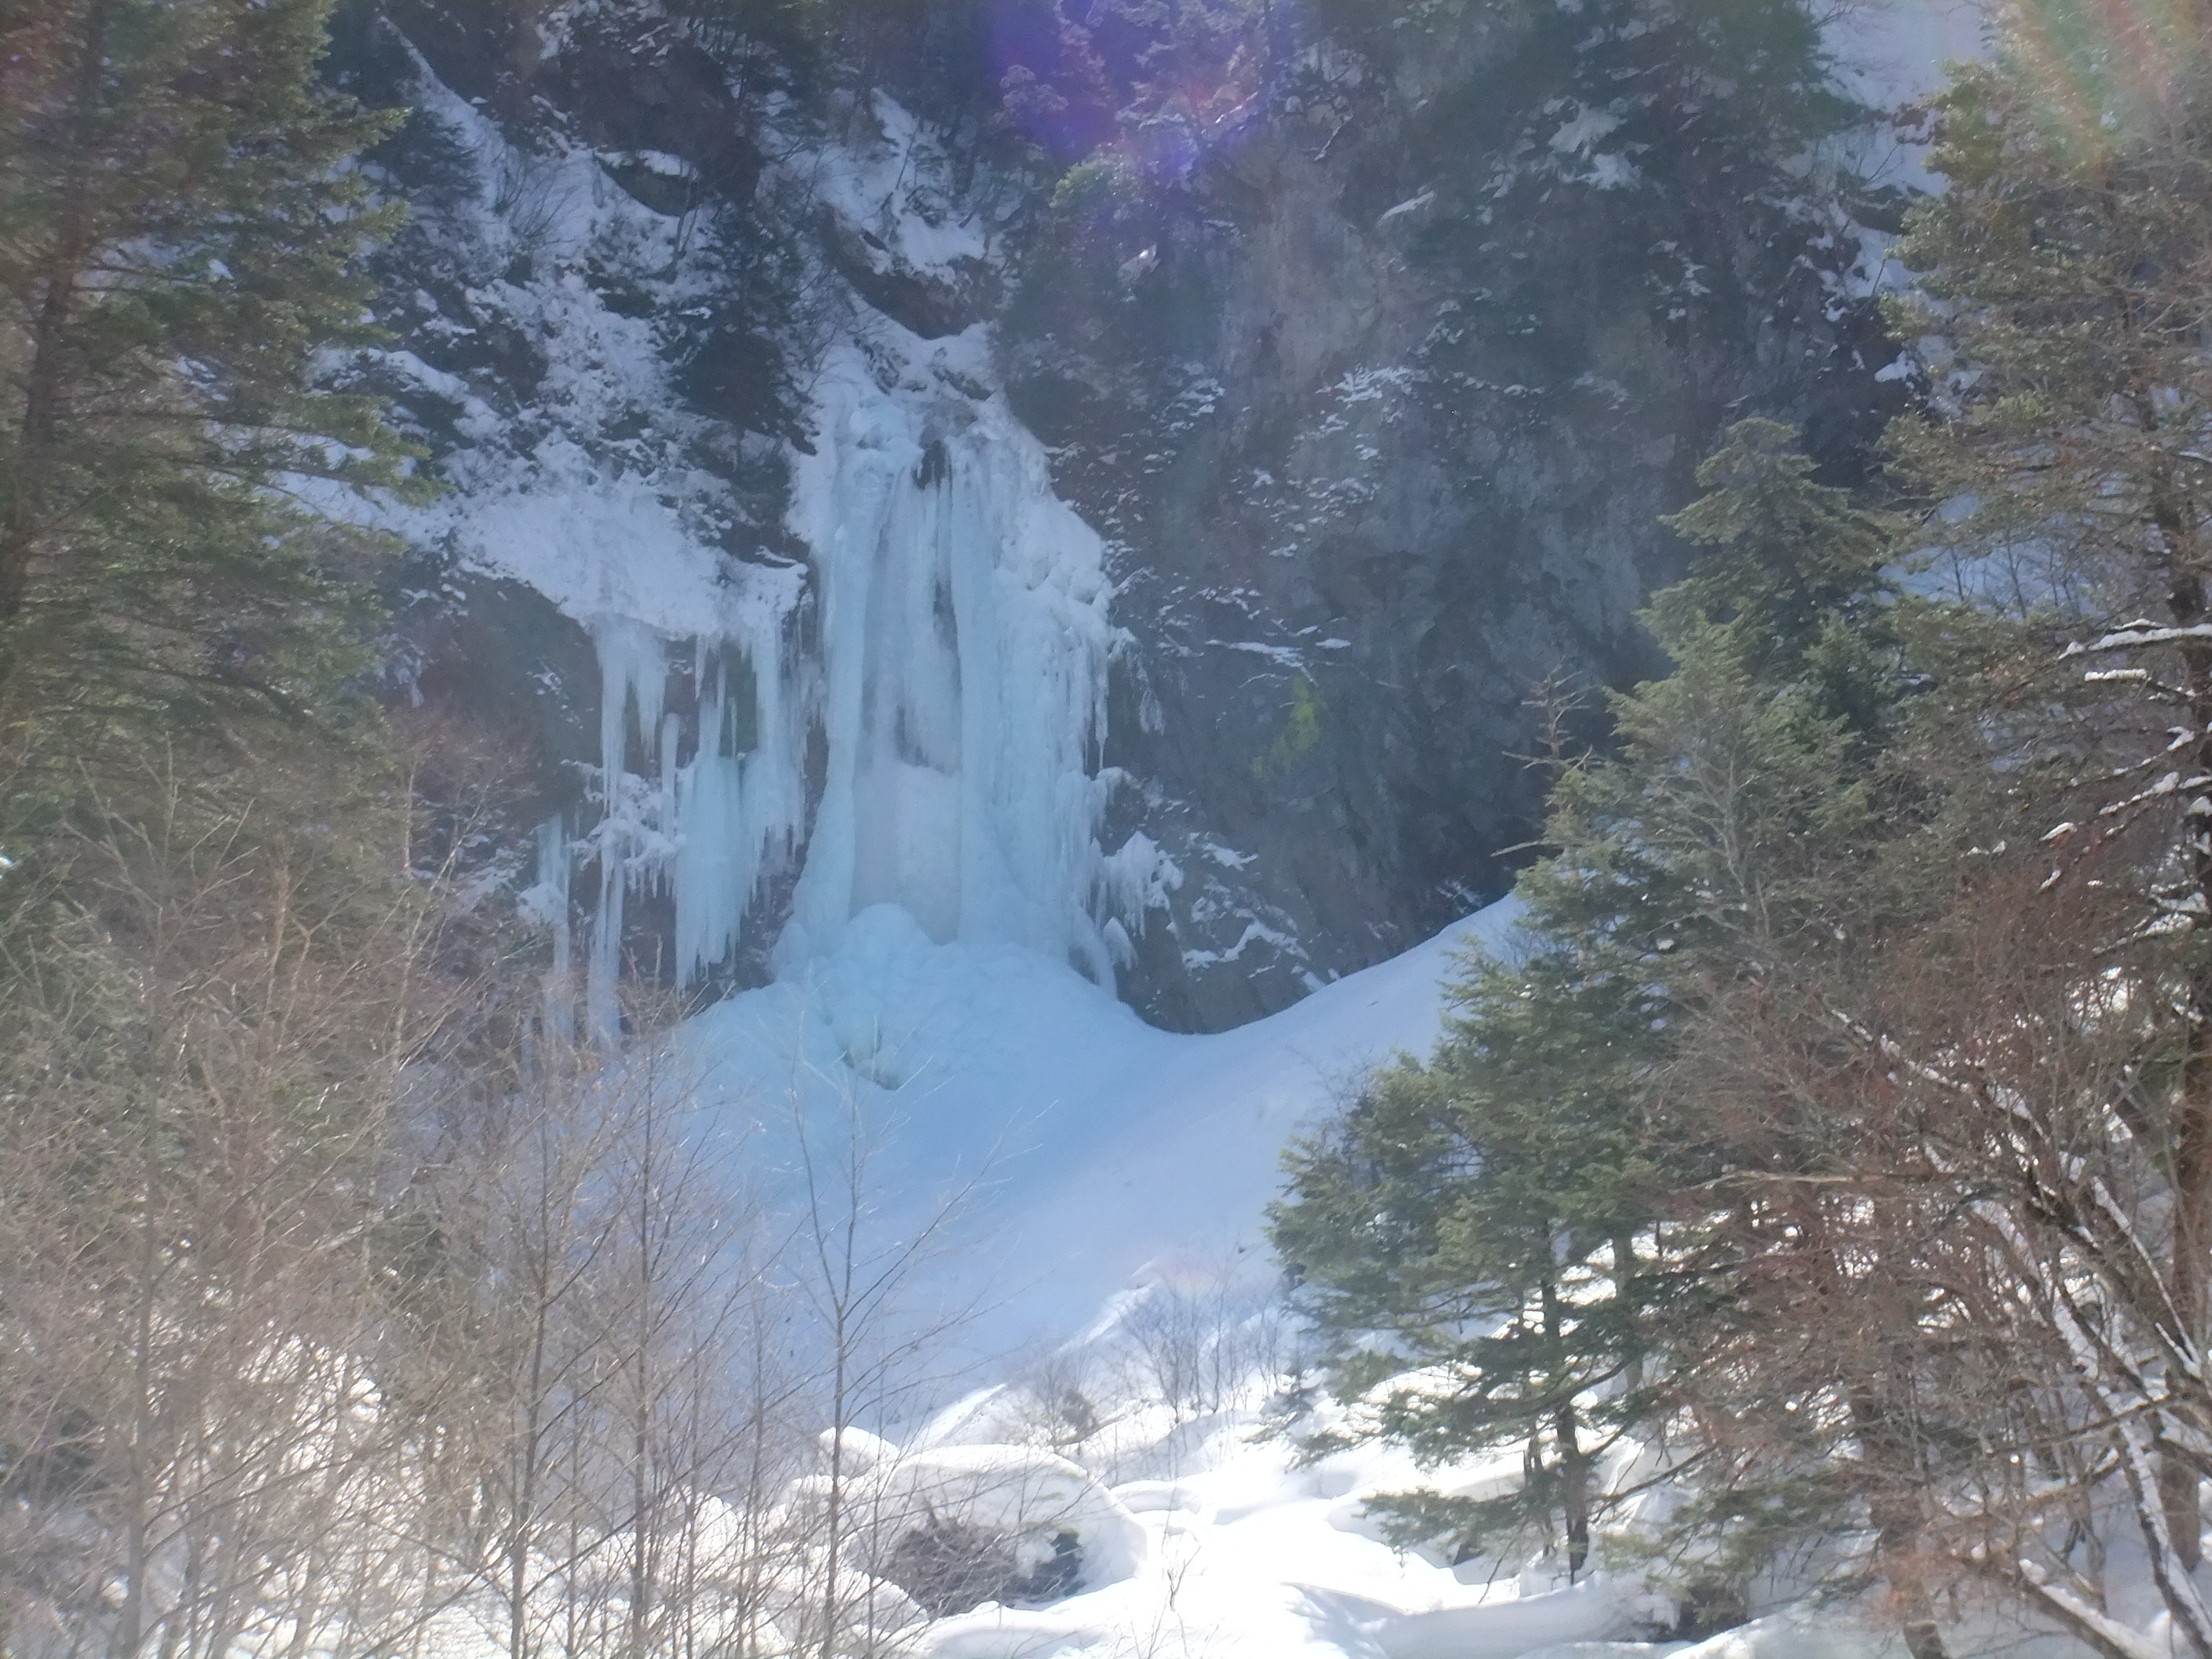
(890, 186)
(1892, 52)
(1892, 55)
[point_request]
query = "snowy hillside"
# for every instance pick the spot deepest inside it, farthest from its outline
(1149, 1395)
(1107, 1149)
(1105, 830)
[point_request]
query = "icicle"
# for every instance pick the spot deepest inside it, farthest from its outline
(633, 676)
(738, 804)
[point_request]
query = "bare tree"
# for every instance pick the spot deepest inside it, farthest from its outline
(1211, 1341)
(856, 1277)
(346, 1294)
(207, 1028)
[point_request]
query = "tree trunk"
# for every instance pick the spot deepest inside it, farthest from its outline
(2192, 1140)
(1574, 1461)
(1574, 1489)
(834, 1507)
(1896, 1537)
(1893, 1506)
(130, 1610)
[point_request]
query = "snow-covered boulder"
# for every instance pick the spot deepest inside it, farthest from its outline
(1019, 1492)
(857, 1450)
(1154, 1497)
(956, 1526)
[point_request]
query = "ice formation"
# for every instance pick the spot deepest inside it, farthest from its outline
(707, 828)
(956, 685)
(964, 653)
(914, 717)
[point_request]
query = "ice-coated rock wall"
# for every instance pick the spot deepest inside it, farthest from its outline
(704, 830)
(784, 382)
(901, 702)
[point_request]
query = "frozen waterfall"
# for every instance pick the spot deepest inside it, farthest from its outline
(912, 718)
(964, 646)
(937, 700)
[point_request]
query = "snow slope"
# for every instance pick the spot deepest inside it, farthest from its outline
(1104, 1146)
(1124, 1164)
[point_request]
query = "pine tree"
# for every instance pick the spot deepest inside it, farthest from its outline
(1917, 889)
(1534, 1217)
(1484, 1210)
(179, 228)
(212, 980)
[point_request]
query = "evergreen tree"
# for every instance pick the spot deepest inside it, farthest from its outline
(1484, 1210)
(1537, 1217)
(213, 983)
(1917, 889)
(179, 224)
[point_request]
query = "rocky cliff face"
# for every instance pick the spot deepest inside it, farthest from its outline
(1367, 343)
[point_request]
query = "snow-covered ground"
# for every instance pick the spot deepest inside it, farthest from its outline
(1127, 1171)
(1102, 1150)
(1206, 1536)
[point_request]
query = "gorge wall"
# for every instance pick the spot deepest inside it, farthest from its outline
(1108, 475)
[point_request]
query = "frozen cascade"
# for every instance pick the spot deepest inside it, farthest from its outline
(957, 695)
(964, 647)
(706, 829)
(911, 719)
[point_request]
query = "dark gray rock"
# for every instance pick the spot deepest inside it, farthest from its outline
(1380, 401)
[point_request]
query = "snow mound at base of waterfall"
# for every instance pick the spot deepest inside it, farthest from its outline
(1248, 1552)
(1094, 1149)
